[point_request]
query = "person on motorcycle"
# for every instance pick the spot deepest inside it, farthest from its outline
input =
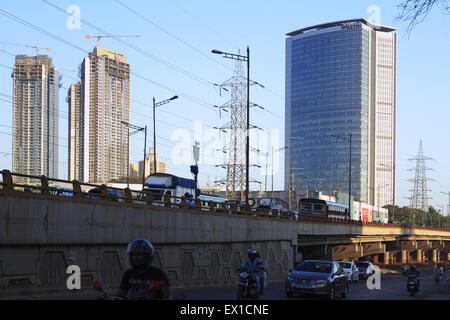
(190, 202)
(438, 275)
(413, 273)
(254, 266)
(138, 279)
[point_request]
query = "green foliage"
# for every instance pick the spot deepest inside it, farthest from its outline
(414, 217)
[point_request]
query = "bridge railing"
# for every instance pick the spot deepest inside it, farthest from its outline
(57, 189)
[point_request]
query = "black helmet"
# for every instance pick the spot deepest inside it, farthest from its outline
(251, 253)
(141, 246)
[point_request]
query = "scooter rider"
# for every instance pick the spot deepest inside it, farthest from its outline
(413, 273)
(137, 280)
(254, 265)
(438, 274)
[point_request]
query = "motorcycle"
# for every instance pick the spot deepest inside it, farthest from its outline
(247, 288)
(153, 287)
(412, 285)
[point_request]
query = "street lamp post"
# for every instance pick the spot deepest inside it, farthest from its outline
(349, 167)
(156, 105)
(273, 151)
(137, 129)
(247, 149)
(393, 188)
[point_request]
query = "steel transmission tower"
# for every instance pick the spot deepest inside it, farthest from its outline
(236, 149)
(419, 198)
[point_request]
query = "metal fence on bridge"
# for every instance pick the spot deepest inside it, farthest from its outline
(80, 191)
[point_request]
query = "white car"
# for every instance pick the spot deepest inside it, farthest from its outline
(351, 269)
(366, 269)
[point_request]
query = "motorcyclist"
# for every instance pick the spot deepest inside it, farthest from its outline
(138, 279)
(413, 273)
(190, 202)
(438, 275)
(253, 265)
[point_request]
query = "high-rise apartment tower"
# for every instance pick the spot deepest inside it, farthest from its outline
(35, 116)
(103, 152)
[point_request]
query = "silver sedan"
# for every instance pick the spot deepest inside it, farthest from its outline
(351, 269)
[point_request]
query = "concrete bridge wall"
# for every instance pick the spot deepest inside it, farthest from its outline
(41, 235)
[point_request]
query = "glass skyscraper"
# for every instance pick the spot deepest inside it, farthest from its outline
(341, 80)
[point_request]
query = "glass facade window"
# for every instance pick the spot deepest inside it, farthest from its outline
(340, 81)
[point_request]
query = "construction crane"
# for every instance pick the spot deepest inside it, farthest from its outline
(26, 46)
(109, 36)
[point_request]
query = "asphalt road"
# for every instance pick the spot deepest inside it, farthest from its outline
(393, 287)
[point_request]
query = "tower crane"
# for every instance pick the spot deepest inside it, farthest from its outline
(26, 46)
(109, 36)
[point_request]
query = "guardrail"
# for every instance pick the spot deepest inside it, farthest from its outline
(16, 182)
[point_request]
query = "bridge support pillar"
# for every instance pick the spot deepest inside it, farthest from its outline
(435, 256)
(387, 257)
(375, 259)
(419, 256)
(404, 256)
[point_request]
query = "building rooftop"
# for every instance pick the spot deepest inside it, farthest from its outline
(340, 23)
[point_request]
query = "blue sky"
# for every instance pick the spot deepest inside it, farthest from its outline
(178, 36)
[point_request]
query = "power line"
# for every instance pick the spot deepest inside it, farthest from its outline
(143, 52)
(149, 55)
(29, 25)
(32, 26)
(165, 111)
(208, 27)
(173, 36)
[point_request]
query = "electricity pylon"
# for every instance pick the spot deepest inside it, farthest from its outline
(419, 198)
(236, 148)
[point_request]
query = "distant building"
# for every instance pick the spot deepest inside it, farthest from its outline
(134, 170)
(35, 116)
(103, 151)
(75, 137)
(216, 188)
(341, 80)
(161, 166)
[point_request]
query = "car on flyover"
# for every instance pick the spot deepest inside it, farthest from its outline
(351, 269)
(317, 277)
(60, 191)
(96, 193)
(365, 268)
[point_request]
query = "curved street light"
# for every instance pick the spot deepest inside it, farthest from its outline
(156, 105)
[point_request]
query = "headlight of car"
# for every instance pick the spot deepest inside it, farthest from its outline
(289, 278)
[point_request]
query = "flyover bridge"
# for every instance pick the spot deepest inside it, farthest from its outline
(42, 234)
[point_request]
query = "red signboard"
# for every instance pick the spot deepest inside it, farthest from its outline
(365, 214)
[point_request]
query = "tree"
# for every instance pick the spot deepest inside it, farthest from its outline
(415, 217)
(415, 11)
